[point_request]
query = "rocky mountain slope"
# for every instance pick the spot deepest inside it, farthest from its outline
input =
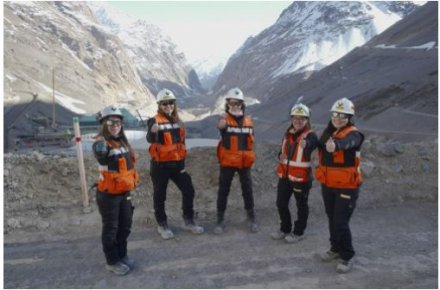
(91, 67)
(158, 60)
(60, 62)
(392, 80)
(307, 37)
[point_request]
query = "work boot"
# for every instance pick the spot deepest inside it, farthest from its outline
(344, 266)
(292, 239)
(278, 235)
(253, 226)
(192, 227)
(329, 256)
(219, 228)
(118, 268)
(128, 261)
(165, 231)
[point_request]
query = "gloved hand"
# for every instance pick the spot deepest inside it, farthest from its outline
(221, 123)
(100, 149)
(153, 127)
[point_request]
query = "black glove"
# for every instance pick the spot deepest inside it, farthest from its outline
(100, 149)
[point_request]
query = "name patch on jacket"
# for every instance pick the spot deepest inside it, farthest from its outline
(239, 130)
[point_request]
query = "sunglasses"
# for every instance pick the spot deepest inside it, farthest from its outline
(299, 118)
(339, 115)
(234, 104)
(113, 123)
(167, 103)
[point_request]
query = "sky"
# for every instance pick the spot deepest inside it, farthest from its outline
(206, 29)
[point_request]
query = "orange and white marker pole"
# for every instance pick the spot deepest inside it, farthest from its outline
(82, 172)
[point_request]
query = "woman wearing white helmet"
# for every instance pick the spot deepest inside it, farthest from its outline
(117, 178)
(339, 173)
(235, 153)
(295, 174)
(166, 135)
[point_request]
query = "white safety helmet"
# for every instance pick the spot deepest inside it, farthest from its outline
(109, 111)
(235, 94)
(344, 106)
(300, 110)
(165, 95)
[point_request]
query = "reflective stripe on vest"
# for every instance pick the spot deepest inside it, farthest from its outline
(296, 163)
(342, 176)
(117, 151)
(240, 130)
(166, 148)
(297, 169)
(236, 149)
(169, 126)
(120, 180)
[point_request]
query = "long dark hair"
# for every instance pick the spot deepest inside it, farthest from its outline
(330, 129)
(307, 126)
(105, 133)
(243, 107)
(174, 115)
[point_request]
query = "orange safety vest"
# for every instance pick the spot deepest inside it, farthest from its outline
(168, 148)
(120, 180)
(341, 174)
(295, 167)
(236, 148)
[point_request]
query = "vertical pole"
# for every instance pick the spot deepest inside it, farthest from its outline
(53, 98)
(82, 172)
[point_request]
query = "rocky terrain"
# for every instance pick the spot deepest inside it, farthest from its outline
(307, 36)
(43, 211)
(63, 41)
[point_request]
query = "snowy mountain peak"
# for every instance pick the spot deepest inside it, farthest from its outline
(307, 37)
(158, 59)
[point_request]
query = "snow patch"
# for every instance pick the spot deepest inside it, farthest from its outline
(11, 78)
(75, 57)
(386, 46)
(65, 101)
(428, 46)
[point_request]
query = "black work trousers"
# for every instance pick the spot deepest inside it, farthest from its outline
(339, 206)
(117, 216)
(301, 193)
(225, 180)
(160, 176)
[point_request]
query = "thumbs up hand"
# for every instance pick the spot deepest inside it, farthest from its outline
(330, 146)
(221, 123)
(154, 128)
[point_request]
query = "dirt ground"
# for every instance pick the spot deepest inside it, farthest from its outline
(51, 243)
